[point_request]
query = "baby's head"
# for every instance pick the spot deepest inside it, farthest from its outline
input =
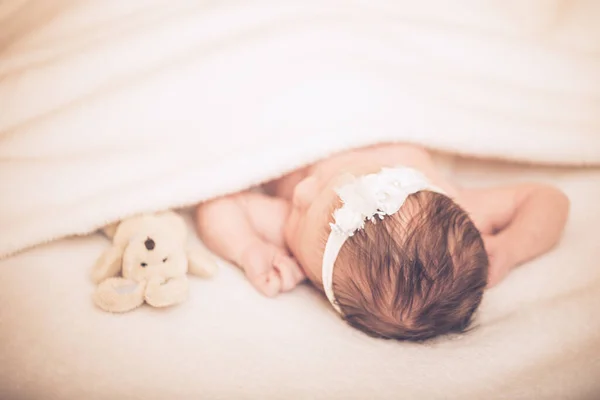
(413, 275)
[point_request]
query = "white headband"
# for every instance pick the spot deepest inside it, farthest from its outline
(366, 198)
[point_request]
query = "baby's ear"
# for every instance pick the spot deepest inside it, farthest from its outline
(109, 264)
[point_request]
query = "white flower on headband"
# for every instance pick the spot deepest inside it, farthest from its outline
(373, 196)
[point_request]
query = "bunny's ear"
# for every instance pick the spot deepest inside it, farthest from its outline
(111, 229)
(200, 262)
(109, 264)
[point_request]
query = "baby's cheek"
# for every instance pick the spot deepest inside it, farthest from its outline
(293, 236)
(290, 228)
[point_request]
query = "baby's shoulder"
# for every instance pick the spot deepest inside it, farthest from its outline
(284, 186)
(386, 154)
(400, 151)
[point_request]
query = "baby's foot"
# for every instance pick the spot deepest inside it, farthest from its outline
(270, 269)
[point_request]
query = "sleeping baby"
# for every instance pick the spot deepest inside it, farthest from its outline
(399, 251)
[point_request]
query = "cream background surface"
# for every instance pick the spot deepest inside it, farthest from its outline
(112, 108)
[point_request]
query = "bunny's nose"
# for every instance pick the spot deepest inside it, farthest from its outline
(149, 243)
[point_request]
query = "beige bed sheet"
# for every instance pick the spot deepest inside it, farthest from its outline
(537, 335)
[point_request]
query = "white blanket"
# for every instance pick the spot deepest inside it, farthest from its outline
(112, 108)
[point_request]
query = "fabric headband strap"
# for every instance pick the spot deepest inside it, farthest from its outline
(367, 198)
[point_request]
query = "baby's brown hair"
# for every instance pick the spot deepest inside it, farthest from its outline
(414, 275)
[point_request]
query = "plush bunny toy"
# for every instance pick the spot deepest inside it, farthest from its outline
(152, 254)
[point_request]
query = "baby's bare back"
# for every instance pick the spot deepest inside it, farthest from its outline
(390, 155)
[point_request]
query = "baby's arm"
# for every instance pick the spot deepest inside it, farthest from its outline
(518, 222)
(247, 230)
